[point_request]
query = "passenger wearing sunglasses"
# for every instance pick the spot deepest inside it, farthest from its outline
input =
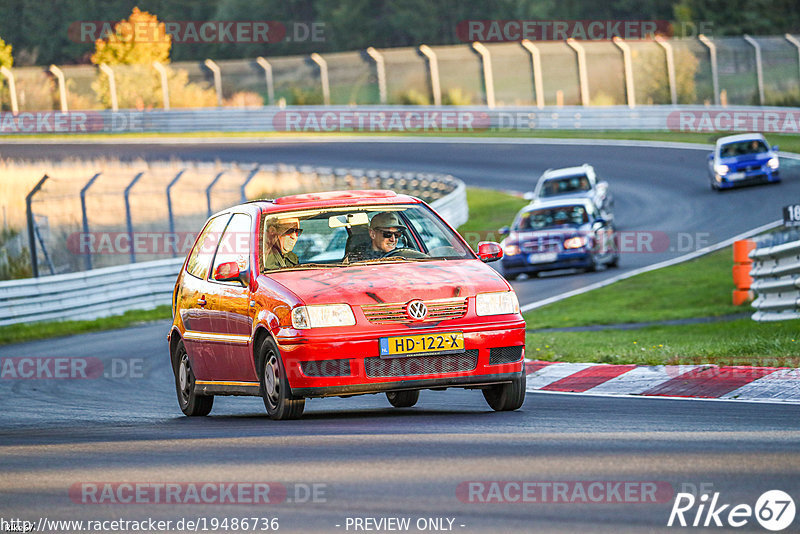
(282, 236)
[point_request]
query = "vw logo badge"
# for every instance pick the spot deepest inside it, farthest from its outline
(416, 310)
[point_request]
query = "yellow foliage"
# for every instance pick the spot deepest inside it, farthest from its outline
(140, 39)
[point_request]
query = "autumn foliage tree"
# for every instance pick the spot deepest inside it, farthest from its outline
(131, 48)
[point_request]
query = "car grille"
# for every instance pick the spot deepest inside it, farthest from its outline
(421, 365)
(326, 368)
(543, 244)
(438, 310)
(500, 355)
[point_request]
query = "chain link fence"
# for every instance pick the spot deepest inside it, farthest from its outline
(352, 78)
(98, 214)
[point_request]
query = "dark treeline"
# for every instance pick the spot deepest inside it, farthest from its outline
(38, 29)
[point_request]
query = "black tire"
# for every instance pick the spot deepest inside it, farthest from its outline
(510, 276)
(190, 402)
(403, 399)
(614, 261)
(593, 265)
(275, 390)
(507, 397)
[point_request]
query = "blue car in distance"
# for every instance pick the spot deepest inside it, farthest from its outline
(743, 159)
(549, 235)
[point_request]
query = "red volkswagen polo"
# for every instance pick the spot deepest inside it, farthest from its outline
(338, 294)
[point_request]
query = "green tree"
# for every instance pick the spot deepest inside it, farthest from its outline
(130, 50)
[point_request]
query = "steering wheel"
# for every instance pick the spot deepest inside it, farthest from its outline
(405, 253)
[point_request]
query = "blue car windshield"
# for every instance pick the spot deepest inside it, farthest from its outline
(742, 148)
(552, 218)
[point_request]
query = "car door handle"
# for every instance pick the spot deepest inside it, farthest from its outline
(201, 301)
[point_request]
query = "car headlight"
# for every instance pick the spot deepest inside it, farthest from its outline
(575, 242)
(511, 250)
(773, 163)
(322, 315)
(499, 303)
(720, 169)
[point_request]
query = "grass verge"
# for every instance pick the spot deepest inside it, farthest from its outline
(788, 143)
(694, 289)
(697, 288)
(29, 332)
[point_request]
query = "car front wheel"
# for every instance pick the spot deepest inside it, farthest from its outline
(403, 399)
(507, 397)
(190, 402)
(275, 391)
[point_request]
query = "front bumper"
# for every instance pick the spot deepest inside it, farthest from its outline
(322, 366)
(750, 178)
(519, 264)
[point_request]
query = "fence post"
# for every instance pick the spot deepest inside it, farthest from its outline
(112, 85)
(673, 87)
(536, 63)
(264, 64)
(433, 72)
(380, 67)
(170, 215)
(583, 79)
(31, 224)
(208, 191)
(85, 219)
(62, 87)
(789, 37)
(128, 218)
(12, 88)
(488, 78)
(323, 76)
(628, 62)
(162, 71)
(759, 68)
(250, 176)
(712, 51)
(214, 68)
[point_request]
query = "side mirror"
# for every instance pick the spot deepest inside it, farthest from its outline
(711, 156)
(598, 223)
(775, 148)
(489, 251)
(229, 272)
(505, 230)
(528, 195)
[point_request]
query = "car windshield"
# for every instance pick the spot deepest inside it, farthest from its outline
(542, 219)
(342, 236)
(565, 185)
(742, 148)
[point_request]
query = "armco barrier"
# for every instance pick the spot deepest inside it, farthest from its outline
(776, 281)
(411, 119)
(113, 290)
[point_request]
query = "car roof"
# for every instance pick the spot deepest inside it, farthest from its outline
(740, 137)
(567, 171)
(327, 199)
(558, 203)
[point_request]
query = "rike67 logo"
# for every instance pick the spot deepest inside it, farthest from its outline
(774, 510)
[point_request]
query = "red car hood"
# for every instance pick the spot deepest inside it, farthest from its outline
(370, 284)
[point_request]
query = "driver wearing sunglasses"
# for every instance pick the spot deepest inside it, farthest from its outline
(281, 237)
(385, 230)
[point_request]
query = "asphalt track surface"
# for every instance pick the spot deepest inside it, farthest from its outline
(376, 461)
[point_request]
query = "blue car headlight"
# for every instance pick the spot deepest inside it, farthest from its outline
(773, 163)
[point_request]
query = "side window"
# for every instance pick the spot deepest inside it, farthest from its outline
(203, 251)
(235, 243)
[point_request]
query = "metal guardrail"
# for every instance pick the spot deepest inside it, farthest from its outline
(113, 290)
(411, 119)
(776, 281)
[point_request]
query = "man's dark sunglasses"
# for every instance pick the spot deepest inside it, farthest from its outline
(296, 231)
(387, 234)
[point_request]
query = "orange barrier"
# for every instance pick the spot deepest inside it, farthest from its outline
(742, 264)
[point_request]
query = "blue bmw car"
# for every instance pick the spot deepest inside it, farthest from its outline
(558, 234)
(743, 159)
